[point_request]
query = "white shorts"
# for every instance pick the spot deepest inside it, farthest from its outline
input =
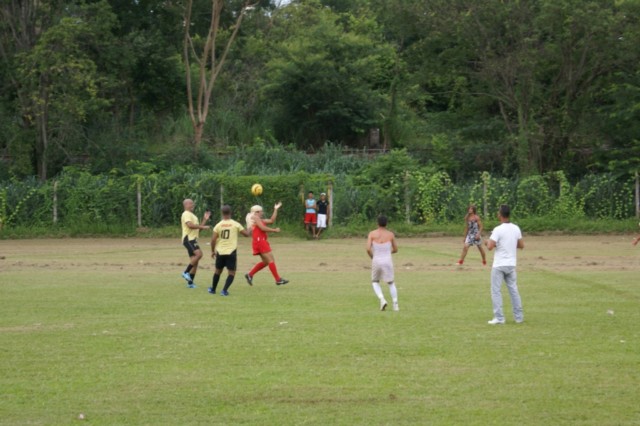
(321, 221)
(382, 271)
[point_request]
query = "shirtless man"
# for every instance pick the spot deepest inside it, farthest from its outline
(380, 245)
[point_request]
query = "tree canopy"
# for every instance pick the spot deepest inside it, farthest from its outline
(508, 87)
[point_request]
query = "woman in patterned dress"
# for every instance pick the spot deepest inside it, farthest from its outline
(472, 234)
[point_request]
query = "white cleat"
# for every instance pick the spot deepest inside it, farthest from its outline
(383, 305)
(495, 321)
(396, 307)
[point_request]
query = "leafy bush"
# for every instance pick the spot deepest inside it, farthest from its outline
(391, 185)
(435, 193)
(533, 198)
(86, 198)
(605, 197)
(23, 202)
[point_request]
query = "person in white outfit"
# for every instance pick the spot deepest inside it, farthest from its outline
(381, 243)
(506, 238)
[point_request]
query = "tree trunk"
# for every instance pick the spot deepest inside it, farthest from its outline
(20, 28)
(42, 121)
(210, 63)
(198, 131)
(522, 144)
(389, 129)
(41, 147)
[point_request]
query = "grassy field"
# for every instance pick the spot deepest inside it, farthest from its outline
(106, 328)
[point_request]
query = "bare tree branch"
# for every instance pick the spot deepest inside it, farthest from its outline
(209, 63)
(187, 63)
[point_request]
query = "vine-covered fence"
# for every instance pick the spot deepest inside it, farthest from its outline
(155, 199)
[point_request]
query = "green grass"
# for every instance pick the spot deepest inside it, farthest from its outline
(537, 225)
(106, 328)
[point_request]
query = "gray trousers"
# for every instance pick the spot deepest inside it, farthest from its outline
(508, 275)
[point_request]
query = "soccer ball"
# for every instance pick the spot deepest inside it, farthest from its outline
(256, 189)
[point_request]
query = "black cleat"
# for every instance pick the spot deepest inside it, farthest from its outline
(249, 279)
(281, 281)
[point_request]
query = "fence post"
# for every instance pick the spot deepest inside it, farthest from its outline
(637, 196)
(139, 204)
(221, 196)
(407, 198)
(55, 201)
(330, 191)
(485, 207)
(302, 199)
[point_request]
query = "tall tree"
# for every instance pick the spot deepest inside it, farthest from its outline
(21, 24)
(329, 76)
(209, 61)
(584, 50)
(60, 81)
(537, 66)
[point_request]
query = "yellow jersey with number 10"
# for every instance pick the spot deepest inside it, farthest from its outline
(227, 230)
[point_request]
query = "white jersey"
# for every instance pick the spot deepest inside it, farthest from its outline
(506, 236)
(381, 263)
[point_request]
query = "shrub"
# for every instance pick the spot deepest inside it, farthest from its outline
(387, 186)
(603, 196)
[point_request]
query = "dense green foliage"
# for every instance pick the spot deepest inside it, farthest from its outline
(512, 88)
(394, 184)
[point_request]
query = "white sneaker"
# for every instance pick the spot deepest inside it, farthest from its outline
(495, 321)
(396, 307)
(383, 305)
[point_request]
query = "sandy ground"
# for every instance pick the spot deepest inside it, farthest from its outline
(555, 253)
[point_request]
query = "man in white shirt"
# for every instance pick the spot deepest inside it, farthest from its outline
(506, 238)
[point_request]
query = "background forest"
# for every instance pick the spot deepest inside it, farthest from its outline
(543, 90)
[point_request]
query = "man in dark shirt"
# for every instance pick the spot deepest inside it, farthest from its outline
(322, 219)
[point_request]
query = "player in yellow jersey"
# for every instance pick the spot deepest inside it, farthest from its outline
(224, 244)
(190, 231)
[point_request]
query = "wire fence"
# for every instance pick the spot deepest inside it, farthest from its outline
(155, 199)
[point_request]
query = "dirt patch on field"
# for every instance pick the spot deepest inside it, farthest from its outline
(557, 253)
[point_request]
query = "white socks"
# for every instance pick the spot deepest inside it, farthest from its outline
(394, 292)
(392, 289)
(377, 290)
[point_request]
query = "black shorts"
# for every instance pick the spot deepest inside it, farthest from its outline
(190, 245)
(228, 261)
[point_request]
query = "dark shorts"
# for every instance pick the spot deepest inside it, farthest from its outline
(191, 246)
(261, 246)
(228, 261)
(310, 218)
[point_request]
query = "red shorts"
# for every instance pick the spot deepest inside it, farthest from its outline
(261, 246)
(309, 218)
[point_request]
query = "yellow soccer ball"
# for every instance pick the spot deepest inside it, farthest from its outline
(256, 189)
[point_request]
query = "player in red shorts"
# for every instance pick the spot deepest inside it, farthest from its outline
(310, 209)
(261, 246)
